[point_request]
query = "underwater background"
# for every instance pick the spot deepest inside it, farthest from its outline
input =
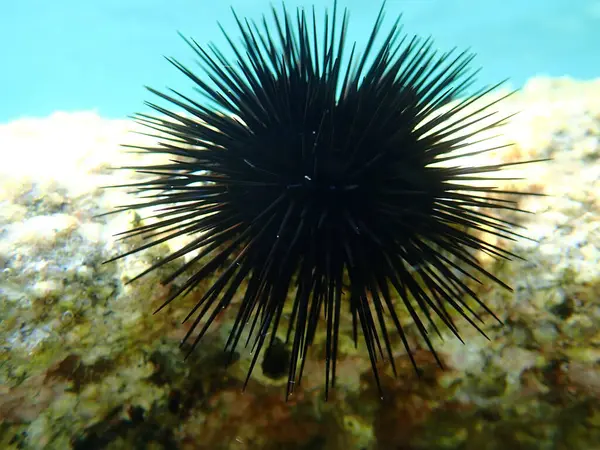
(84, 363)
(71, 55)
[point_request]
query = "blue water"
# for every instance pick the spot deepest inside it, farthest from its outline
(97, 54)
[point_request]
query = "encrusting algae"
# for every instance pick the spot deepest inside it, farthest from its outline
(86, 364)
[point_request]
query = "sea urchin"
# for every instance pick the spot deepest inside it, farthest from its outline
(320, 180)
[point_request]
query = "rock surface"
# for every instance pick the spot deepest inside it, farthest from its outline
(86, 365)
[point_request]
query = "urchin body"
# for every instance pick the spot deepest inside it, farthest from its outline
(325, 182)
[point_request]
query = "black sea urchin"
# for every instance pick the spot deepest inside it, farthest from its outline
(324, 181)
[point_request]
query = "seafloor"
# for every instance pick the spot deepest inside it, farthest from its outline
(86, 365)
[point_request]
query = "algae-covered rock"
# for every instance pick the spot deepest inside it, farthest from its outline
(86, 364)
